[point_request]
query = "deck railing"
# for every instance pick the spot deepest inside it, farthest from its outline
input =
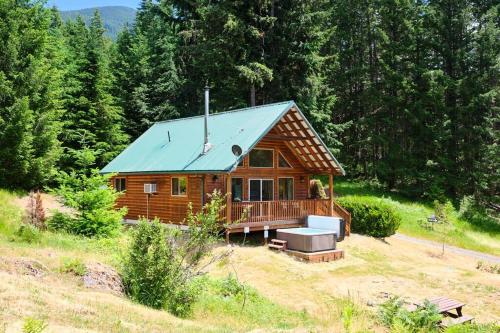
(343, 213)
(258, 211)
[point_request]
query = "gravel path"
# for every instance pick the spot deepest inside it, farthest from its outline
(454, 249)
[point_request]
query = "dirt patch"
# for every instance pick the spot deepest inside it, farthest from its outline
(103, 277)
(23, 266)
(50, 204)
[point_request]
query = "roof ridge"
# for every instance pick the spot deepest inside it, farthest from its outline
(226, 112)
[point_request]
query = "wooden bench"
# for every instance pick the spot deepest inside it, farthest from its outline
(450, 321)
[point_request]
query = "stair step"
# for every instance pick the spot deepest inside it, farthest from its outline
(278, 241)
(275, 246)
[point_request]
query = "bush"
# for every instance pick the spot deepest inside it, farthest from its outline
(424, 319)
(161, 265)
(93, 199)
(147, 268)
(73, 266)
(371, 217)
(33, 325)
(28, 233)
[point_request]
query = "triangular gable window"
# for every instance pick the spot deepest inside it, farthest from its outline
(282, 162)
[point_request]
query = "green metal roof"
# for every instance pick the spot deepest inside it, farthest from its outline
(153, 152)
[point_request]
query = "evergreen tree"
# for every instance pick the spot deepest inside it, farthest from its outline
(147, 80)
(92, 120)
(29, 95)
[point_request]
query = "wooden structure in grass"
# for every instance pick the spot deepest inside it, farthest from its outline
(262, 158)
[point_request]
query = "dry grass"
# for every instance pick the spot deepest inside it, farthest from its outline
(371, 270)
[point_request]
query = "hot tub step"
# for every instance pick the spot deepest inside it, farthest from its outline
(278, 244)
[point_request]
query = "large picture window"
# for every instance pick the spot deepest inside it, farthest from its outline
(261, 158)
(120, 184)
(179, 186)
(285, 188)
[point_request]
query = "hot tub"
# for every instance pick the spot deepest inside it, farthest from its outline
(307, 239)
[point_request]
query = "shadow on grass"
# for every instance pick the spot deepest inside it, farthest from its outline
(252, 239)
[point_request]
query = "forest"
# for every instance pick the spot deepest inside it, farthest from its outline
(405, 93)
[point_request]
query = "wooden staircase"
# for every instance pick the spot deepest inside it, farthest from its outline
(277, 244)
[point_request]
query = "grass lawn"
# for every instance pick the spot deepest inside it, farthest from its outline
(61, 300)
(484, 237)
(280, 293)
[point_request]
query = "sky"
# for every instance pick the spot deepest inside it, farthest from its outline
(80, 4)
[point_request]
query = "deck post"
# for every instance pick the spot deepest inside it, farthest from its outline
(330, 190)
(228, 199)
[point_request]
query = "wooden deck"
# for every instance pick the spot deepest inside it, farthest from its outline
(272, 215)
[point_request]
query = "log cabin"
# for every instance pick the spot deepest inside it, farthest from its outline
(262, 157)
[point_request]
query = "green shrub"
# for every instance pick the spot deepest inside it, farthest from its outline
(161, 265)
(147, 268)
(27, 233)
(93, 199)
(230, 286)
(33, 325)
(425, 318)
(371, 217)
(60, 222)
(74, 266)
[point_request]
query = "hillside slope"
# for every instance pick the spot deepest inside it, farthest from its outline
(113, 17)
(305, 297)
(483, 236)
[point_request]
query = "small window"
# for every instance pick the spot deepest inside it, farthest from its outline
(282, 162)
(179, 186)
(261, 158)
(237, 189)
(285, 188)
(120, 184)
(241, 163)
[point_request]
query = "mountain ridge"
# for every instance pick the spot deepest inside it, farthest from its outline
(114, 18)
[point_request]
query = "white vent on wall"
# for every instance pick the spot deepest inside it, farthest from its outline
(149, 188)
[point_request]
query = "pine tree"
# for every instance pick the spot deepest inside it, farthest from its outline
(147, 79)
(29, 95)
(92, 119)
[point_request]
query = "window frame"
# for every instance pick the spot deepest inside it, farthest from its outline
(265, 167)
(293, 188)
(178, 185)
(122, 188)
(260, 196)
(280, 153)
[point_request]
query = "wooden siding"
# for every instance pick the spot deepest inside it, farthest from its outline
(163, 204)
(297, 171)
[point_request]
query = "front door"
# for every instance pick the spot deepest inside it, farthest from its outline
(260, 190)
